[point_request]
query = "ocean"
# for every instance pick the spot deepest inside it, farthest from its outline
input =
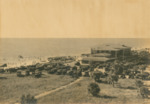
(37, 48)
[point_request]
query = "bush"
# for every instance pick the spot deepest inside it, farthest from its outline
(144, 92)
(28, 99)
(93, 89)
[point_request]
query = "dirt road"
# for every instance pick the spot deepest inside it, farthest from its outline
(57, 89)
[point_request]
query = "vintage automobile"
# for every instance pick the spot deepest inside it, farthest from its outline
(144, 75)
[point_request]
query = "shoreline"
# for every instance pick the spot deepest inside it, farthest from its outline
(27, 61)
(14, 63)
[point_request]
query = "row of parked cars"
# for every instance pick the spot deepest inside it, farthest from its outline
(61, 68)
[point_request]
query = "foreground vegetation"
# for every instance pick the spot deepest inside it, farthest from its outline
(124, 92)
(117, 84)
(13, 87)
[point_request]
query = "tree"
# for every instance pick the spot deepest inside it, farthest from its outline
(28, 99)
(93, 89)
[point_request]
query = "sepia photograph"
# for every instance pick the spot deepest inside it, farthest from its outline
(74, 51)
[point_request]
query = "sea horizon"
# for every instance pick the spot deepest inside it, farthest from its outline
(33, 48)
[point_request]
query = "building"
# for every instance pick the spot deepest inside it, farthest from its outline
(114, 50)
(106, 53)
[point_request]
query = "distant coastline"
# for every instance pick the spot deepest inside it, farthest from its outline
(35, 49)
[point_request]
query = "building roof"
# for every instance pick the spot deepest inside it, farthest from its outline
(100, 55)
(113, 47)
(100, 59)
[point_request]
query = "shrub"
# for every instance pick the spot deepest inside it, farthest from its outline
(144, 92)
(28, 99)
(93, 89)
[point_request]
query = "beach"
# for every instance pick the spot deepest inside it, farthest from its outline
(43, 67)
(36, 50)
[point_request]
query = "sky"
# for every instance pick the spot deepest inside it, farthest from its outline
(75, 18)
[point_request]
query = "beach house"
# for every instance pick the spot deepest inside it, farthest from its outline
(105, 53)
(113, 50)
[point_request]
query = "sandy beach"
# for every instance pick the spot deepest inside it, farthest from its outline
(25, 61)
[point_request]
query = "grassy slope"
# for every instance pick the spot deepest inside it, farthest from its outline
(123, 93)
(13, 87)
